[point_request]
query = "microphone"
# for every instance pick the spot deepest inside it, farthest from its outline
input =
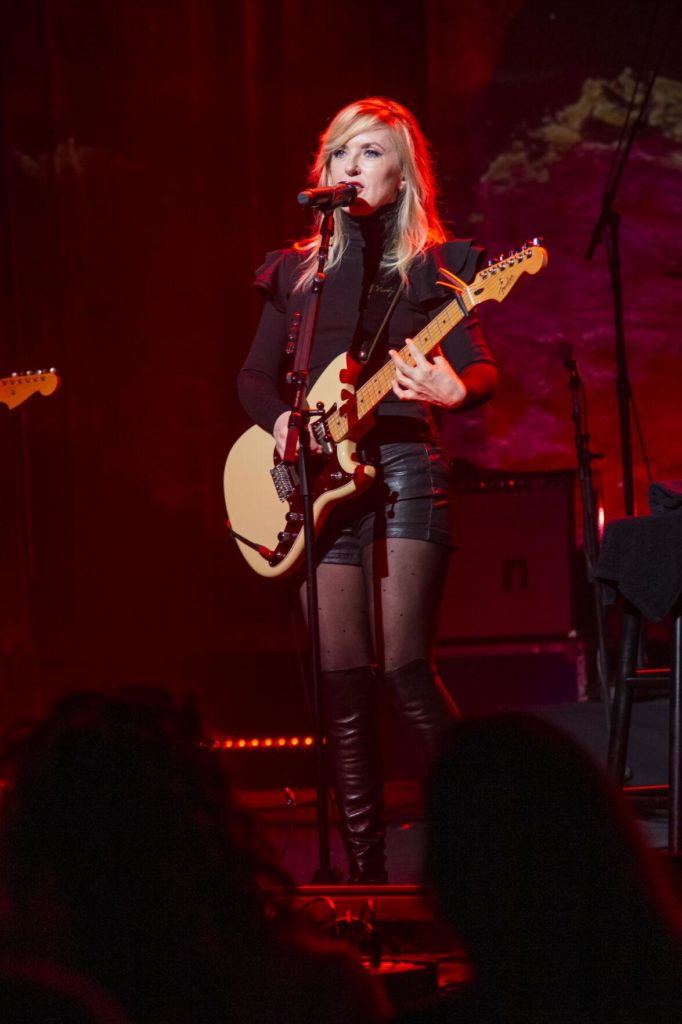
(329, 197)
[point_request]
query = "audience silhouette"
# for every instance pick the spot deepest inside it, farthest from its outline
(537, 864)
(124, 862)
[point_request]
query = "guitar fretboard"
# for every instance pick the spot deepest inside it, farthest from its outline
(366, 398)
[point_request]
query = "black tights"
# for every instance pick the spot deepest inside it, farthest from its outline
(384, 611)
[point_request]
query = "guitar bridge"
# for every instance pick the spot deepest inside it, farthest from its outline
(285, 479)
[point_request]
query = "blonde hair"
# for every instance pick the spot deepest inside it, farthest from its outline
(417, 225)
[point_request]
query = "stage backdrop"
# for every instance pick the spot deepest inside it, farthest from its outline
(152, 152)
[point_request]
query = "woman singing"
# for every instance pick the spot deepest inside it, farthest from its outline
(383, 555)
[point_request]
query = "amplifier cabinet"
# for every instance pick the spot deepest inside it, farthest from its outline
(512, 573)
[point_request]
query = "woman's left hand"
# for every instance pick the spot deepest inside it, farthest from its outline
(433, 381)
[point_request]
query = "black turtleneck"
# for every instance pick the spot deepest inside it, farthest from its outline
(355, 298)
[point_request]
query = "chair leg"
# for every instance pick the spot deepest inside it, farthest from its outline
(621, 710)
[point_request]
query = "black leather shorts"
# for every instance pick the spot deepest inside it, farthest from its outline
(411, 497)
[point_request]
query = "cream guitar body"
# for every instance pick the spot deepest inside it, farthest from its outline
(257, 506)
(262, 494)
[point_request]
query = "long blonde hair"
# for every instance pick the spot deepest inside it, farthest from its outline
(417, 225)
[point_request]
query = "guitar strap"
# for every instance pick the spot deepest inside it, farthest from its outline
(374, 309)
(372, 312)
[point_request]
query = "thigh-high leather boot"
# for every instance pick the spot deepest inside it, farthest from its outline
(422, 702)
(351, 729)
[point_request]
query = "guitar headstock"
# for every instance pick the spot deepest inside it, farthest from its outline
(19, 386)
(499, 277)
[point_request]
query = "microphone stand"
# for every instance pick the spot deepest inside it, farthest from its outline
(608, 226)
(298, 438)
(608, 229)
(590, 522)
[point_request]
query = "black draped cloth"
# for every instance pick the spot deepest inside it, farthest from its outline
(641, 558)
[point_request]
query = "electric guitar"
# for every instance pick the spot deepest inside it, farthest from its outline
(262, 492)
(16, 389)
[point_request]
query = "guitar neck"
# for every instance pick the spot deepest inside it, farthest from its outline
(494, 282)
(378, 386)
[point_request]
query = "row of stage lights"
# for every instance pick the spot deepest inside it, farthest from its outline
(256, 743)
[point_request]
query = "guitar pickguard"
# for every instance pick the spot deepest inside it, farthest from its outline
(262, 493)
(326, 478)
